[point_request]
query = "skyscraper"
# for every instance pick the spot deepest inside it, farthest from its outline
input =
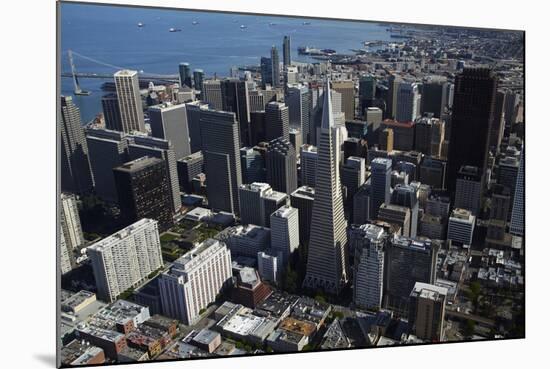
(473, 109)
(129, 100)
(143, 191)
(111, 112)
(298, 101)
(140, 145)
(198, 78)
(286, 51)
(76, 175)
(281, 169)
(347, 89)
(185, 74)
(70, 222)
(362, 204)
(125, 258)
(406, 195)
(380, 183)
(368, 242)
(285, 231)
(220, 143)
(302, 199)
(250, 195)
(469, 187)
(276, 121)
(367, 91)
(211, 93)
(408, 102)
(434, 97)
(189, 167)
(193, 123)
(352, 176)
(252, 165)
(408, 261)
(235, 99)
(195, 280)
(275, 68)
(169, 122)
(327, 261)
(308, 164)
(266, 69)
(107, 149)
(517, 219)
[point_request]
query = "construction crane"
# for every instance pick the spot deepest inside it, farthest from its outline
(77, 89)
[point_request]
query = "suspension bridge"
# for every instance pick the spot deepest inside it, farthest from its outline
(166, 78)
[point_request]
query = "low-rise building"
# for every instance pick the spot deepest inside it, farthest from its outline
(79, 353)
(207, 340)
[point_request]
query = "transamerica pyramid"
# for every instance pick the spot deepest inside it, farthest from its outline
(327, 261)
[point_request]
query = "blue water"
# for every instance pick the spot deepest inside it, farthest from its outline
(110, 34)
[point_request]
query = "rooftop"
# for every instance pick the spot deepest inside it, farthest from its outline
(122, 234)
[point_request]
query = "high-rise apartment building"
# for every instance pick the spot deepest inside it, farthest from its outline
(125, 258)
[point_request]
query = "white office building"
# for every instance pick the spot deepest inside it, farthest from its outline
(70, 222)
(461, 227)
(308, 164)
(270, 266)
(285, 231)
(194, 281)
(245, 240)
(125, 258)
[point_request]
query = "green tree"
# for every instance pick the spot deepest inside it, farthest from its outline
(469, 329)
(290, 280)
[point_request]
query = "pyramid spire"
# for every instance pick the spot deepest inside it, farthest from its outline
(327, 119)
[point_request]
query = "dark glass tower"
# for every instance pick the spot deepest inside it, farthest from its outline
(235, 99)
(473, 108)
(143, 191)
(282, 174)
(286, 51)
